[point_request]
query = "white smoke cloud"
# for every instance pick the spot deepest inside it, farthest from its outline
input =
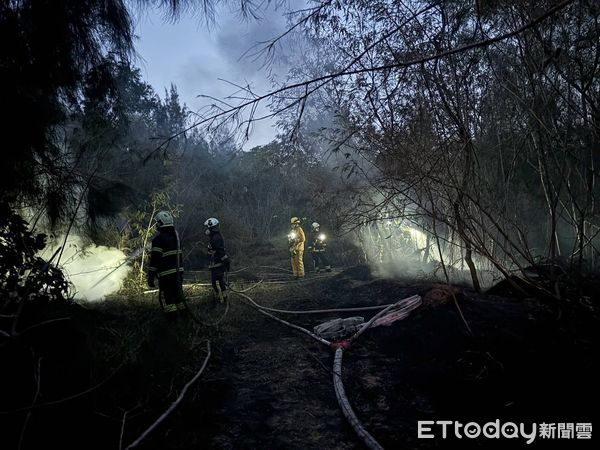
(396, 249)
(94, 271)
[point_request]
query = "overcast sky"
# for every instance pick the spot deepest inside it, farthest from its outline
(194, 57)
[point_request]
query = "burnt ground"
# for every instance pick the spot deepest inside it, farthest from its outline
(267, 386)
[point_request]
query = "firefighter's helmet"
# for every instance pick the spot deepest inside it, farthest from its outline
(211, 223)
(315, 226)
(295, 221)
(164, 218)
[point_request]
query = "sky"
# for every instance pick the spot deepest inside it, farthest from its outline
(194, 56)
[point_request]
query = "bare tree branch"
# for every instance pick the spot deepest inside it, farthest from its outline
(174, 405)
(228, 114)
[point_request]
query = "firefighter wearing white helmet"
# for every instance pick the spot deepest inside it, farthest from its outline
(210, 223)
(163, 218)
(317, 249)
(219, 261)
(166, 262)
(296, 243)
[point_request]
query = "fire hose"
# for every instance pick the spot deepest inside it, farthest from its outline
(401, 309)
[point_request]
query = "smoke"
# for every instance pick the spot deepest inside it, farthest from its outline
(396, 249)
(94, 271)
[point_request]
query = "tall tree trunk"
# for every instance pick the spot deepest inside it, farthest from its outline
(468, 248)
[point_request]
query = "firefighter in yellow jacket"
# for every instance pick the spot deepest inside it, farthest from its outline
(296, 242)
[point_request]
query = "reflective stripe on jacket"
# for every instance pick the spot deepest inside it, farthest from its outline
(165, 258)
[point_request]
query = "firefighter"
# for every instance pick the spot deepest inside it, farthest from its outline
(296, 242)
(317, 249)
(219, 261)
(166, 262)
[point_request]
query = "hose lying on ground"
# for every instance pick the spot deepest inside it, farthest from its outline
(325, 311)
(296, 327)
(262, 280)
(385, 308)
(406, 306)
(347, 410)
(199, 321)
(217, 322)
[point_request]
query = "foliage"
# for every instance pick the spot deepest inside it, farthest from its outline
(24, 276)
(58, 55)
(53, 44)
(254, 194)
(474, 121)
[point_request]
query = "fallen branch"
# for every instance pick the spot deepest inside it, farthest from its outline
(122, 429)
(35, 399)
(174, 405)
(462, 315)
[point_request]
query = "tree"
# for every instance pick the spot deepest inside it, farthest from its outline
(54, 47)
(466, 118)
